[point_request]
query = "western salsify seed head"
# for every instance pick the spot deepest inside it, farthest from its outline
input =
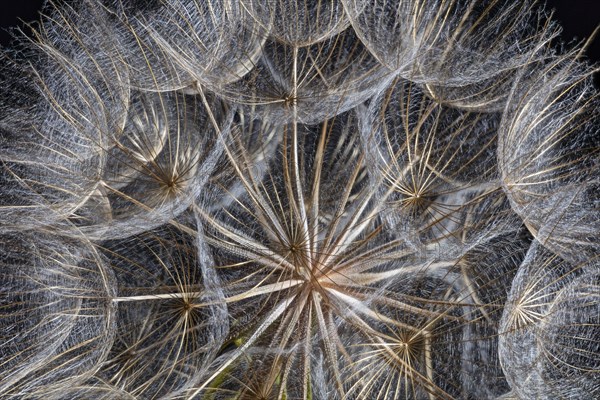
(350, 199)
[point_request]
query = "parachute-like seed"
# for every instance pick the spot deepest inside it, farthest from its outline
(549, 330)
(302, 271)
(57, 322)
(170, 323)
(157, 164)
(549, 158)
(438, 165)
(444, 345)
(319, 81)
(51, 145)
(288, 257)
(570, 339)
(464, 53)
(181, 43)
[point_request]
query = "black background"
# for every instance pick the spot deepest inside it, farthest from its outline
(578, 18)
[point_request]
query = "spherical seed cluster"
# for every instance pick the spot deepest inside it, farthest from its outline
(342, 199)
